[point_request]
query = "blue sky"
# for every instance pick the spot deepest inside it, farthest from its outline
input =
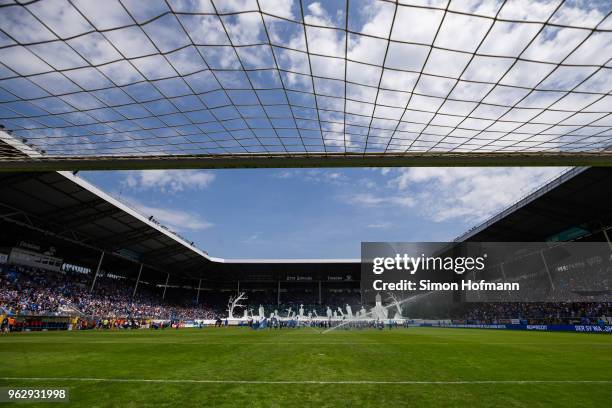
(270, 76)
(318, 213)
(211, 77)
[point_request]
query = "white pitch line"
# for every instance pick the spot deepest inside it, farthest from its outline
(349, 382)
(325, 343)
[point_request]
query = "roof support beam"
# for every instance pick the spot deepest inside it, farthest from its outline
(138, 235)
(166, 286)
(137, 281)
(296, 160)
(23, 219)
(605, 231)
(199, 289)
(9, 180)
(93, 283)
(165, 252)
(71, 210)
(92, 218)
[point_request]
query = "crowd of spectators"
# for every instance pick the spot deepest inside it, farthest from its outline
(26, 290)
(537, 313)
(31, 291)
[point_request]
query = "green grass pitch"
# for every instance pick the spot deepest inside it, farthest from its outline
(302, 367)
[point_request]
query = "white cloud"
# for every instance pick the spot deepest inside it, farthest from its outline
(444, 194)
(169, 180)
(551, 46)
(471, 194)
(374, 200)
(285, 174)
(314, 175)
(277, 7)
(459, 32)
(380, 225)
(176, 220)
(252, 238)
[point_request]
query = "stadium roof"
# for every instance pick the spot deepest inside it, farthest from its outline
(64, 206)
(262, 83)
(577, 202)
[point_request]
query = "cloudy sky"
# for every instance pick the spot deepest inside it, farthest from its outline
(201, 76)
(156, 77)
(318, 213)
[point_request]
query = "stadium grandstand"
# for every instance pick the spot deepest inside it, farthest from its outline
(83, 253)
(215, 95)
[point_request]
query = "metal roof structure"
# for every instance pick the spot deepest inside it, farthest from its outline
(578, 199)
(259, 83)
(63, 207)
